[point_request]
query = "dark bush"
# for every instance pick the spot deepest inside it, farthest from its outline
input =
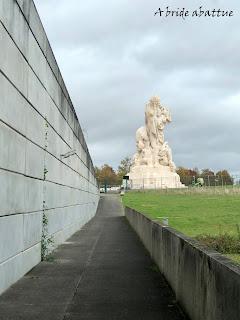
(223, 243)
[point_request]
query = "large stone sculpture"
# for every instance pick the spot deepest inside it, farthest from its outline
(152, 165)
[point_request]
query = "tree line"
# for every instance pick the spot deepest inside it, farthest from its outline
(211, 178)
(107, 175)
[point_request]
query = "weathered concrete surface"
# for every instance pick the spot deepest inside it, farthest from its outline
(102, 272)
(37, 124)
(206, 284)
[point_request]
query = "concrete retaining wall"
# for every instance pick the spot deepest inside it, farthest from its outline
(37, 124)
(207, 285)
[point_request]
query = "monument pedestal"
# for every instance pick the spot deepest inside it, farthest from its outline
(153, 177)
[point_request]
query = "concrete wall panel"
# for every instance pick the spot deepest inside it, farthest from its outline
(11, 236)
(10, 98)
(32, 229)
(12, 62)
(12, 193)
(33, 194)
(34, 162)
(16, 145)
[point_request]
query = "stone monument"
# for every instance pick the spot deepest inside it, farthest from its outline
(152, 166)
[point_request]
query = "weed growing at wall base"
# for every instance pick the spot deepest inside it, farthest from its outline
(46, 241)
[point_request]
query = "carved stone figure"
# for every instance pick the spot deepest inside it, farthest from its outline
(153, 160)
(156, 117)
(165, 157)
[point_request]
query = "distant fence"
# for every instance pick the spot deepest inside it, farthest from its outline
(211, 181)
(188, 181)
(164, 183)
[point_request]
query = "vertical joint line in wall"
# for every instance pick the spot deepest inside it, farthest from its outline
(46, 240)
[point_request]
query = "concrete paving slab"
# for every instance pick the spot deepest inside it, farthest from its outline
(102, 272)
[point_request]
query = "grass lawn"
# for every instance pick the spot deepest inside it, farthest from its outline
(193, 213)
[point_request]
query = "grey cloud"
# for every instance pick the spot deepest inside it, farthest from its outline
(115, 55)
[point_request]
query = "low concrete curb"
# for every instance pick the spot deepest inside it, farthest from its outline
(206, 284)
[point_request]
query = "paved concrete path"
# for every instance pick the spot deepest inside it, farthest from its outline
(102, 272)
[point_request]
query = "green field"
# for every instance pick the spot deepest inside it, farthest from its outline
(204, 212)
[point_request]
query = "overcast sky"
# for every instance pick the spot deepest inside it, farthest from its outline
(115, 55)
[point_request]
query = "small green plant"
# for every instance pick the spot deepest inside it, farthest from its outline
(154, 268)
(45, 173)
(47, 241)
(223, 243)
